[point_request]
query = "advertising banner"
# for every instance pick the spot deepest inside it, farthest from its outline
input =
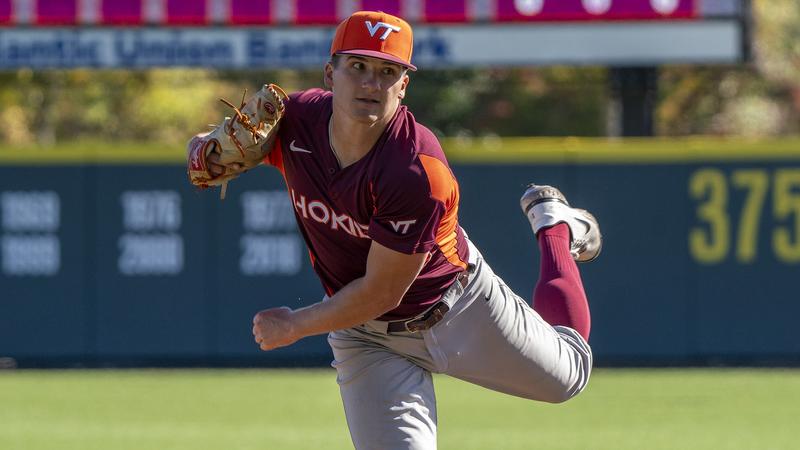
(434, 47)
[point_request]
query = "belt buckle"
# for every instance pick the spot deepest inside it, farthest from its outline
(422, 323)
(411, 326)
(414, 325)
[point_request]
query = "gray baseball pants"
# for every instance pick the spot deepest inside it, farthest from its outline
(490, 337)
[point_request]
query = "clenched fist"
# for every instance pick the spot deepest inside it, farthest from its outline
(273, 328)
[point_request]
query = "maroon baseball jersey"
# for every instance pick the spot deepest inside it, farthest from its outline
(401, 194)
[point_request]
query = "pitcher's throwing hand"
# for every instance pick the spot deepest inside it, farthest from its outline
(273, 328)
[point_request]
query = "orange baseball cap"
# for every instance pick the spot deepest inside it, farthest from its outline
(375, 34)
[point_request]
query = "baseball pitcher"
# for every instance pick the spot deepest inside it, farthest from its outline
(408, 294)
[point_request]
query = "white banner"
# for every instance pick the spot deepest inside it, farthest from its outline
(644, 43)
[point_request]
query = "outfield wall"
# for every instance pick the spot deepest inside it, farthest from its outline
(110, 257)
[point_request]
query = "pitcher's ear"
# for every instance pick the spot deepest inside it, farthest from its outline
(402, 93)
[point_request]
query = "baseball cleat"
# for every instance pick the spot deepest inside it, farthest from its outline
(546, 206)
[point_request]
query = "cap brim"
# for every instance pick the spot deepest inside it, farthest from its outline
(379, 55)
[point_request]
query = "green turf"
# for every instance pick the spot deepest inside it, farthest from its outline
(275, 410)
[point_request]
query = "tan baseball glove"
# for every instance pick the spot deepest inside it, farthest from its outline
(238, 140)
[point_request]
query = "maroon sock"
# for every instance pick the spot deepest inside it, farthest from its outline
(559, 297)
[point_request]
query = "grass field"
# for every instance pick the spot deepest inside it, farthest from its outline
(285, 409)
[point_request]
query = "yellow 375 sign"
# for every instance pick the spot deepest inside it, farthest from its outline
(710, 241)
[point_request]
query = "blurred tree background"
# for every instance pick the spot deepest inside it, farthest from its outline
(169, 105)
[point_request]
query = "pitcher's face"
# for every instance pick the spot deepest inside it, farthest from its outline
(367, 89)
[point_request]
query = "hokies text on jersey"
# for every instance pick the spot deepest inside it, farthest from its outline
(321, 213)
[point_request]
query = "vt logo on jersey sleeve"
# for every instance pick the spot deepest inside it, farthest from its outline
(401, 226)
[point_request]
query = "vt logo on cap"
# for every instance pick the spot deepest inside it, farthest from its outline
(373, 29)
(377, 35)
